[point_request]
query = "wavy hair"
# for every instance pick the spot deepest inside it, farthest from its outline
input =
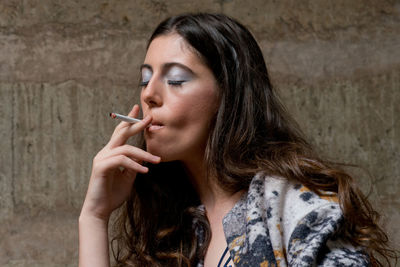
(251, 133)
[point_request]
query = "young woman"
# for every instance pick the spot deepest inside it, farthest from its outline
(223, 176)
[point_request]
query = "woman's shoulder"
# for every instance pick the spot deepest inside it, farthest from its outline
(289, 196)
(287, 203)
(282, 205)
(308, 222)
(294, 225)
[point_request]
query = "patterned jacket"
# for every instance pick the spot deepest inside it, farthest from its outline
(278, 223)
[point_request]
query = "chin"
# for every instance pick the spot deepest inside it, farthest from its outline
(164, 154)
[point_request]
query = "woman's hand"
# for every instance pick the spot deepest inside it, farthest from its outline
(114, 170)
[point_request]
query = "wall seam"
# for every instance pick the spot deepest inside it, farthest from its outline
(13, 148)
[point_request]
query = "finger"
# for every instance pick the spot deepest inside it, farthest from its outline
(120, 136)
(133, 113)
(133, 153)
(112, 163)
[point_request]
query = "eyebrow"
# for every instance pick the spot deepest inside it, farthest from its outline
(167, 66)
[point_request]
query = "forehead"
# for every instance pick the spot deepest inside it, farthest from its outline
(171, 48)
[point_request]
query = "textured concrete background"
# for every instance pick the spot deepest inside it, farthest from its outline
(64, 65)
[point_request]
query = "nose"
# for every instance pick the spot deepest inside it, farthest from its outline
(152, 93)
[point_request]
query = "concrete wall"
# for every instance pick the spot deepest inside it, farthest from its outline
(64, 65)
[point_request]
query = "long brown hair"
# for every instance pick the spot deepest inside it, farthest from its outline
(251, 133)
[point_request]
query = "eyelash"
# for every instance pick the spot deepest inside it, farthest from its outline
(170, 82)
(175, 83)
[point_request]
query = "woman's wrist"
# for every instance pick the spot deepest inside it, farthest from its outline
(93, 218)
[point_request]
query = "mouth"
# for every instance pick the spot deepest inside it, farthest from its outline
(155, 126)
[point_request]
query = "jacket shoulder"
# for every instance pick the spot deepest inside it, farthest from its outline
(287, 203)
(308, 223)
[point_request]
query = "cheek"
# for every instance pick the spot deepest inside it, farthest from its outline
(202, 101)
(195, 111)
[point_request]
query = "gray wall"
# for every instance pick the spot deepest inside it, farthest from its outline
(64, 65)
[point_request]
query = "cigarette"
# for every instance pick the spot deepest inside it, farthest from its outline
(124, 118)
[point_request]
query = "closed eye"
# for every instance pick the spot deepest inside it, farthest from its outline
(176, 82)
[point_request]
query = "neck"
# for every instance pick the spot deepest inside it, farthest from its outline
(212, 196)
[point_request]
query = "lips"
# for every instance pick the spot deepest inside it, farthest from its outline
(155, 126)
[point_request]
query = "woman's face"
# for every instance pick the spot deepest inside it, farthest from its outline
(180, 92)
